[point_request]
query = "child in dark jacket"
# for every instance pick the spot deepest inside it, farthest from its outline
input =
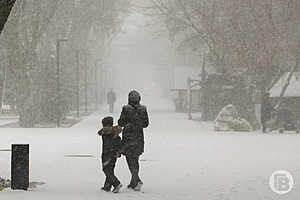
(111, 144)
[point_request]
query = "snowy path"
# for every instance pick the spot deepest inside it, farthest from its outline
(183, 160)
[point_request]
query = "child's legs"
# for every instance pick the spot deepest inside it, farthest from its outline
(105, 168)
(108, 169)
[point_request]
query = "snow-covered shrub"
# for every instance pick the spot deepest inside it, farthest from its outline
(228, 120)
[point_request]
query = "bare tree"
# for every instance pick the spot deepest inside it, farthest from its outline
(242, 37)
(29, 44)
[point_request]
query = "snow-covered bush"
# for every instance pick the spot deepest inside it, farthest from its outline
(228, 120)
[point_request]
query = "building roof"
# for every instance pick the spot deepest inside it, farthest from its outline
(293, 90)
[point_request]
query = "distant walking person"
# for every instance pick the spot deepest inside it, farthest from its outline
(134, 118)
(111, 99)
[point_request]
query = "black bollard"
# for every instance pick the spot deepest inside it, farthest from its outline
(20, 167)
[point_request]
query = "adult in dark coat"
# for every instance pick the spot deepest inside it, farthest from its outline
(111, 99)
(134, 118)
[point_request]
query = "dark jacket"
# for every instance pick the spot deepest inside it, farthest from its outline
(111, 141)
(134, 118)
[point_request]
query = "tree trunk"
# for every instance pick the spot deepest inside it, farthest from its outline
(3, 89)
(25, 103)
(5, 8)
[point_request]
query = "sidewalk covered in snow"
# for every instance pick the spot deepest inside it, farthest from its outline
(183, 160)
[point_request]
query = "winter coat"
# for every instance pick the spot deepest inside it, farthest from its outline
(111, 141)
(111, 97)
(134, 118)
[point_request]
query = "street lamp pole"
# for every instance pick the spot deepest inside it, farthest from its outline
(58, 80)
(77, 85)
(97, 83)
(86, 84)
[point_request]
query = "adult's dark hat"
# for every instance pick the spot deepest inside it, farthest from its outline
(134, 97)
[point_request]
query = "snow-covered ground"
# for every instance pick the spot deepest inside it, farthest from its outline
(183, 160)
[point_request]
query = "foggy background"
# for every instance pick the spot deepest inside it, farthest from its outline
(144, 58)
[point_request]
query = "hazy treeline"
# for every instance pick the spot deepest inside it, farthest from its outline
(257, 39)
(28, 52)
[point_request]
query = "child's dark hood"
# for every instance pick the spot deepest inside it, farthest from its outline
(134, 98)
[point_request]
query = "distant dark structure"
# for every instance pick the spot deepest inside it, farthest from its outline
(180, 100)
(216, 93)
(5, 8)
(208, 96)
(287, 115)
(20, 167)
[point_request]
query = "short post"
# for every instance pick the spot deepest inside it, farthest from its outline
(20, 167)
